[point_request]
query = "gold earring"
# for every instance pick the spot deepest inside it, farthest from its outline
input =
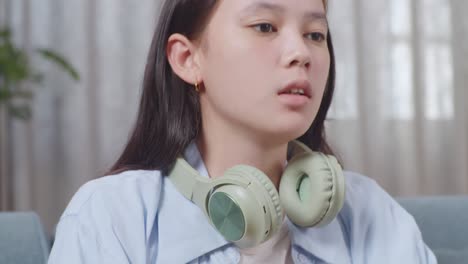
(197, 87)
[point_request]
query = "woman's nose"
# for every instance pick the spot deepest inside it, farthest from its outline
(296, 52)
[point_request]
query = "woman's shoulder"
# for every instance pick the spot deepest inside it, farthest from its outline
(369, 208)
(109, 218)
(359, 182)
(365, 197)
(377, 225)
(360, 188)
(128, 189)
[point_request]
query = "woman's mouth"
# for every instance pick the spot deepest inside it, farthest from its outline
(298, 87)
(295, 94)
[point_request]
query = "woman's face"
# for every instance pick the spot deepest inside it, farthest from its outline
(264, 66)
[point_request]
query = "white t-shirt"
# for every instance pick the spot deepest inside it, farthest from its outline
(275, 250)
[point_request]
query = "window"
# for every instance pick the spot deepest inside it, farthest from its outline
(438, 62)
(398, 96)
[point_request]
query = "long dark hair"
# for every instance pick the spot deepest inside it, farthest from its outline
(169, 114)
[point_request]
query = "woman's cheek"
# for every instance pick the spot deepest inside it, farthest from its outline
(321, 69)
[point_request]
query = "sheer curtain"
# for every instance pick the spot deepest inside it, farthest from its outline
(399, 113)
(78, 129)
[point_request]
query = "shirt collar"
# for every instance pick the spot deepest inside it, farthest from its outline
(184, 231)
(190, 234)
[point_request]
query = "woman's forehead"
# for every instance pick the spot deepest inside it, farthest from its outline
(272, 4)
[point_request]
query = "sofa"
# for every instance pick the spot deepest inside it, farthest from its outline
(443, 221)
(22, 239)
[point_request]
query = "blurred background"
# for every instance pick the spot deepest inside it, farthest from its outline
(399, 114)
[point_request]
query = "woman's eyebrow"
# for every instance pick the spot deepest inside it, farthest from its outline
(261, 6)
(317, 17)
(275, 8)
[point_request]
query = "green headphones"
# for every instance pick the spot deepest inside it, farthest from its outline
(244, 205)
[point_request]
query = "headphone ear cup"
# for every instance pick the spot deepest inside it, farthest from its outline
(270, 195)
(246, 215)
(233, 214)
(312, 189)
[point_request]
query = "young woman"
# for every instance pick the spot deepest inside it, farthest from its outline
(228, 161)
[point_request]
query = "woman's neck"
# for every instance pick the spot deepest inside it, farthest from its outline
(221, 151)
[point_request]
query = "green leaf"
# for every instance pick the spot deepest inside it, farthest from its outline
(13, 62)
(15, 68)
(61, 61)
(21, 112)
(5, 33)
(5, 94)
(22, 94)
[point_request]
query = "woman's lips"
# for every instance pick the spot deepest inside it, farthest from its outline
(293, 87)
(295, 94)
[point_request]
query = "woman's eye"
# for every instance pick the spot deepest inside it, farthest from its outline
(264, 28)
(316, 36)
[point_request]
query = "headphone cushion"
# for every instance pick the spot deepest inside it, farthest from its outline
(312, 189)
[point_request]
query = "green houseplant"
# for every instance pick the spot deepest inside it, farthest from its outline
(15, 99)
(15, 69)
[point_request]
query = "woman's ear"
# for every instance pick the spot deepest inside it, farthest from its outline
(181, 54)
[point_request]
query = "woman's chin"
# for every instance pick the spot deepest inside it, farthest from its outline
(286, 132)
(296, 126)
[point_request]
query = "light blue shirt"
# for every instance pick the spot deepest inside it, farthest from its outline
(139, 217)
